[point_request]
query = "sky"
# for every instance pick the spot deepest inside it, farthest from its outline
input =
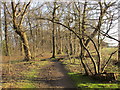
(115, 29)
(58, 0)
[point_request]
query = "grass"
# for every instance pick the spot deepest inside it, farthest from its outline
(23, 74)
(85, 82)
(25, 84)
(29, 74)
(81, 81)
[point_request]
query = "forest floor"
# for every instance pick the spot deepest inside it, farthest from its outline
(45, 73)
(55, 76)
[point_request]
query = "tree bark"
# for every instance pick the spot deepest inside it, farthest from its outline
(82, 61)
(119, 32)
(119, 52)
(0, 27)
(17, 25)
(99, 50)
(6, 32)
(21, 48)
(70, 43)
(59, 41)
(53, 41)
(24, 40)
(53, 32)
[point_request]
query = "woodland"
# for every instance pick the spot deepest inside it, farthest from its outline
(60, 44)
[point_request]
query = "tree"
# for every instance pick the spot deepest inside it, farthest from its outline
(119, 31)
(18, 15)
(53, 31)
(6, 31)
(86, 38)
(0, 26)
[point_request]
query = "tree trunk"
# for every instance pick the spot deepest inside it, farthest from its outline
(83, 30)
(0, 27)
(59, 41)
(17, 27)
(26, 47)
(22, 48)
(82, 58)
(24, 40)
(119, 32)
(70, 44)
(6, 32)
(74, 44)
(53, 41)
(53, 33)
(119, 47)
(99, 50)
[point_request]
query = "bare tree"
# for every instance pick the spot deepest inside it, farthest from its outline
(0, 25)
(6, 31)
(18, 15)
(119, 31)
(87, 38)
(53, 31)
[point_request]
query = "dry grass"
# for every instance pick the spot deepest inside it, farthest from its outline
(18, 74)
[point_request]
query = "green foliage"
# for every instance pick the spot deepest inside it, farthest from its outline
(83, 82)
(25, 84)
(29, 74)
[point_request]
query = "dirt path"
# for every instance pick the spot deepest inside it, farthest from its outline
(54, 76)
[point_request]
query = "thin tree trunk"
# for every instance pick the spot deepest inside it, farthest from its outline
(119, 50)
(42, 41)
(102, 13)
(81, 58)
(53, 33)
(119, 32)
(70, 43)
(59, 41)
(74, 49)
(22, 48)
(99, 50)
(0, 27)
(6, 32)
(53, 41)
(83, 29)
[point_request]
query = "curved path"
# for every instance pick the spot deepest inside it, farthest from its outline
(54, 76)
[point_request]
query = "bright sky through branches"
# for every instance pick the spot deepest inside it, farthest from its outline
(115, 29)
(59, 0)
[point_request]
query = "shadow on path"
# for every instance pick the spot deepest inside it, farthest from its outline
(54, 75)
